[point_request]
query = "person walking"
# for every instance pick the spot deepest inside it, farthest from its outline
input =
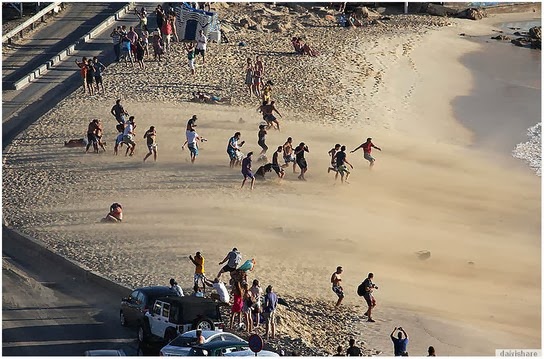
(399, 343)
(119, 112)
(332, 152)
(301, 161)
(246, 171)
(336, 280)
(367, 149)
(269, 308)
(368, 288)
(233, 148)
(192, 143)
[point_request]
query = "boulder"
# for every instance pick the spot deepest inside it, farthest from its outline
(521, 42)
(277, 27)
(365, 12)
(501, 37)
(536, 32)
(472, 14)
(246, 22)
(298, 9)
(439, 10)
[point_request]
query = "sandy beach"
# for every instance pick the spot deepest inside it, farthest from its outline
(478, 214)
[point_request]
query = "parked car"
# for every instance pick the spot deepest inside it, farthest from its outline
(181, 346)
(218, 348)
(171, 316)
(105, 353)
(140, 301)
(249, 353)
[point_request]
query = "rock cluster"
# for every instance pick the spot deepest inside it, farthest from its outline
(532, 38)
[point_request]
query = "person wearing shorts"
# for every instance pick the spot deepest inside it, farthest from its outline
(341, 161)
(269, 308)
(369, 298)
(191, 54)
(233, 148)
(261, 140)
(201, 41)
(151, 136)
(332, 153)
(246, 171)
(233, 258)
(275, 163)
(192, 143)
(336, 280)
(128, 136)
(99, 69)
(367, 149)
(91, 136)
(301, 161)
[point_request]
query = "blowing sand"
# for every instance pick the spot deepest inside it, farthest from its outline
(480, 219)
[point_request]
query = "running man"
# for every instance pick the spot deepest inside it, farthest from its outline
(275, 163)
(151, 136)
(198, 261)
(118, 112)
(119, 140)
(261, 140)
(91, 136)
(128, 136)
(192, 143)
(332, 153)
(367, 148)
(341, 161)
(246, 170)
(268, 115)
(336, 281)
(301, 161)
(233, 147)
(288, 154)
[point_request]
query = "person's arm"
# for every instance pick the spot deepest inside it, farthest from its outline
(145, 135)
(360, 146)
(191, 257)
(113, 111)
(278, 112)
(306, 149)
(183, 147)
(376, 147)
(392, 333)
(224, 260)
(346, 160)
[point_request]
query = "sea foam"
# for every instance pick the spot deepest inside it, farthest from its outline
(531, 151)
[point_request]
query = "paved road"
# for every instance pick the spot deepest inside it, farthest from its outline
(50, 310)
(67, 28)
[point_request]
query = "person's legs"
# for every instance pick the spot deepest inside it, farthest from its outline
(149, 154)
(231, 320)
(244, 181)
(252, 182)
(272, 326)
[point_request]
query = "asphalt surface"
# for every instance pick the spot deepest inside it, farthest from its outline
(67, 28)
(50, 310)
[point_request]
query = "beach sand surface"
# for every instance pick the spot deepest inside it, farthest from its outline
(479, 219)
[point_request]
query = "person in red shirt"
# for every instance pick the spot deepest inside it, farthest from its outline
(367, 148)
(83, 66)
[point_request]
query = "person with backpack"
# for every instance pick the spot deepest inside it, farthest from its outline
(365, 290)
(233, 260)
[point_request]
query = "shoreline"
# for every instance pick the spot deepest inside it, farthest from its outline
(170, 182)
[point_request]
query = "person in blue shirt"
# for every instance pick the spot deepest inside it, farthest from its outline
(269, 308)
(400, 343)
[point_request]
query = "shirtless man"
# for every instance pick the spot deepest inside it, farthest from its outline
(151, 136)
(332, 153)
(91, 136)
(288, 155)
(268, 115)
(275, 163)
(367, 148)
(118, 111)
(336, 281)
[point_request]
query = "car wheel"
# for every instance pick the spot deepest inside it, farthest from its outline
(203, 324)
(143, 333)
(123, 319)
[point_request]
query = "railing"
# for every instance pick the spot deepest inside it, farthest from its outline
(40, 16)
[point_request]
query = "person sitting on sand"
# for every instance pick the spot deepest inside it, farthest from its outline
(297, 45)
(367, 148)
(233, 148)
(353, 351)
(151, 136)
(197, 292)
(222, 294)
(306, 49)
(259, 174)
(353, 21)
(246, 171)
(399, 343)
(80, 142)
(276, 164)
(208, 98)
(332, 153)
(115, 215)
(336, 280)
(268, 115)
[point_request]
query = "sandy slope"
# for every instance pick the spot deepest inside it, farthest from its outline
(426, 192)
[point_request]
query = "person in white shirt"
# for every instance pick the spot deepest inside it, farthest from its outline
(201, 41)
(192, 143)
(222, 294)
(128, 136)
(175, 287)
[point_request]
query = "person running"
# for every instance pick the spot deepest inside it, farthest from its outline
(269, 308)
(118, 112)
(341, 161)
(99, 70)
(301, 161)
(332, 153)
(233, 259)
(192, 143)
(175, 287)
(119, 140)
(201, 42)
(336, 280)
(367, 148)
(128, 136)
(151, 136)
(276, 164)
(249, 74)
(288, 155)
(233, 148)
(353, 351)
(246, 171)
(198, 261)
(91, 136)
(268, 115)
(369, 287)
(399, 344)
(261, 140)
(83, 72)
(191, 54)
(99, 132)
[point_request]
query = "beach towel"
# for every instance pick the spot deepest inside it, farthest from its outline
(248, 265)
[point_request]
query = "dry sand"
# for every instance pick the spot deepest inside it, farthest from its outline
(480, 219)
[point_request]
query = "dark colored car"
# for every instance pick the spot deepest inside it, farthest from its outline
(219, 348)
(140, 301)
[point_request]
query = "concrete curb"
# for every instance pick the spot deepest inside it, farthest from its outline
(14, 241)
(40, 71)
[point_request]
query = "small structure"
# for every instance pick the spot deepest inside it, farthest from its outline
(189, 21)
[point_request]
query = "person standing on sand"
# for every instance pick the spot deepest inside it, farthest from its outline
(249, 74)
(99, 70)
(301, 161)
(332, 153)
(233, 147)
(116, 40)
(247, 301)
(190, 48)
(158, 49)
(261, 140)
(83, 71)
(336, 281)
(140, 52)
(201, 42)
(192, 143)
(246, 171)
(269, 308)
(367, 148)
(341, 161)
(256, 293)
(258, 72)
(276, 164)
(353, 351)
(237, 305)
(91, 136)
(151, 136)
(90, 76)
(288, 154)
(198, 261)
(191, 123)
(369, 287)
(399, 344)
